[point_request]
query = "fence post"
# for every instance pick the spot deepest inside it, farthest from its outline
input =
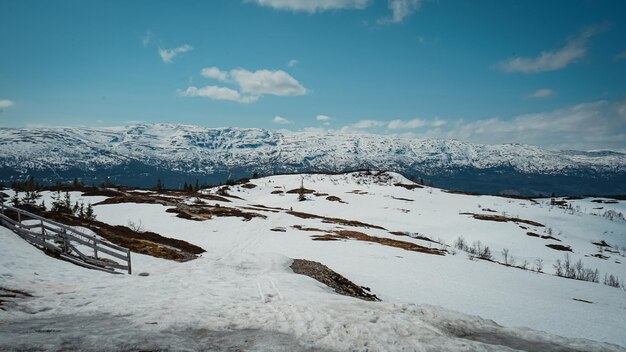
(128, 254)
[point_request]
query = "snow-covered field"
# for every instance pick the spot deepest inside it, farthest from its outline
(241, 293)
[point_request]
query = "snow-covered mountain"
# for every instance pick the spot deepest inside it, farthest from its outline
(139, 154)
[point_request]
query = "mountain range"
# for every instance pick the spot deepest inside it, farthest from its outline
(138, 155)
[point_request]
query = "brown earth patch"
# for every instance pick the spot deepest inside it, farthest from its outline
(356, 191)
(279, 229)
(327, 237)
(335, 199)
(248, 185)
(500, 218)
(206, 212)
(409, 246)
(559, 247)
(301, 190)
(408, 186)
(582, 300)
(601, 244)
(277, 192)
(149, 243)
(417, 236)
(545, 237)
(330, 278)
(303, 228)
(338, 221)
(404, 199)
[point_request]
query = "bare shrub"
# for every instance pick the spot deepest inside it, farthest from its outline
(539, 265)
(136, 226)
(612, 280)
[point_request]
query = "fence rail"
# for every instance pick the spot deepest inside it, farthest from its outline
(66, 241)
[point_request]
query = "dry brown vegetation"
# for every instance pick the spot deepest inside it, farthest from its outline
(335, 199)
(408, 186)
(359, 236)
(330, 278)
(500, 218)
(303, 228)
(545, 237)
(412, 235)
(337, 221)
(559, 247)
(206, 212)
(301, 190)
(148, 243)
(404, 199)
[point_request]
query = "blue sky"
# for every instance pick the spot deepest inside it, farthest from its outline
(551, 73)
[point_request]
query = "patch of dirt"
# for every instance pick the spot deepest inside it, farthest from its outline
(489, 210)
(303, 190)
(545, 237)
(409, 246)
(500, 218)
(277, 192)
(139, 199)
(330, 278)
(327, 237)
(338, 221)
(356, 191)
(206, 212)
(335, 199)
(582, 300)
(148, 243)
(408, 186)
(559, 247)
(404, 199)
(319, 194)
(279, 229)
(601, 244)
(248, 185)
(601, 256)
(412, 235)
(302, 228)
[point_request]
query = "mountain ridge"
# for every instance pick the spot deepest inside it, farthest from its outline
(175, 152)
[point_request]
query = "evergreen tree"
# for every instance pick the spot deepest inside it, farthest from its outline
(159, 186)
(89, 214)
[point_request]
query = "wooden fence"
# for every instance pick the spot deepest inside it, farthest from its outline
(65, 241)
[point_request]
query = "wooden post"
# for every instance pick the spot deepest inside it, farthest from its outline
(129, 270)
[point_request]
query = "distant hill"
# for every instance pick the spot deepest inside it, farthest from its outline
(137, 155)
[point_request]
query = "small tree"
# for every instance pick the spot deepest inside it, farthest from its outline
(89, 214)
(301, 194)
(505, 255)
(539, 265)
(159, 186)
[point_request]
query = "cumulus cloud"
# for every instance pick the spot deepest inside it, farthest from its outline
(323, 118)
(250, 85)
(5, 103)
(400, 9)
(541, 93)
(281, 120)
(215, 73)
(218, 93)
(147, 39)
(587, 126)
(574, 50)
(167, 55)
(312, 6)
(267, 82)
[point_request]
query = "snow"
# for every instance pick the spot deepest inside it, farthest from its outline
(242, 288)
(198, 149)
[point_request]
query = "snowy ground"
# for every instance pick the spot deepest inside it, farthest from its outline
(242, 294)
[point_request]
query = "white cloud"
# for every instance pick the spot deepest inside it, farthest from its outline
(323, 118)
(267, 82)
(312, 6)
(621, 56)
(365, 124)
(250, 85)
(588, 126)
(292, 63)
(215, 73)
(167, 55)
(281, 120)
(542, 93)
(5, 103)
(414, 123)
(218, 93)
(574, 50)
(400, 9)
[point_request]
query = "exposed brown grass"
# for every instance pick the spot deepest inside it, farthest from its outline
(417, 236)
(408, 186)
(409, 246)
(303, 228)
(404, 199)
(545, 237)
(337, 221)
(500, 218)
(301, 190)
(559, 247)
(335, 199)
(206, 212)
(148, 243)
